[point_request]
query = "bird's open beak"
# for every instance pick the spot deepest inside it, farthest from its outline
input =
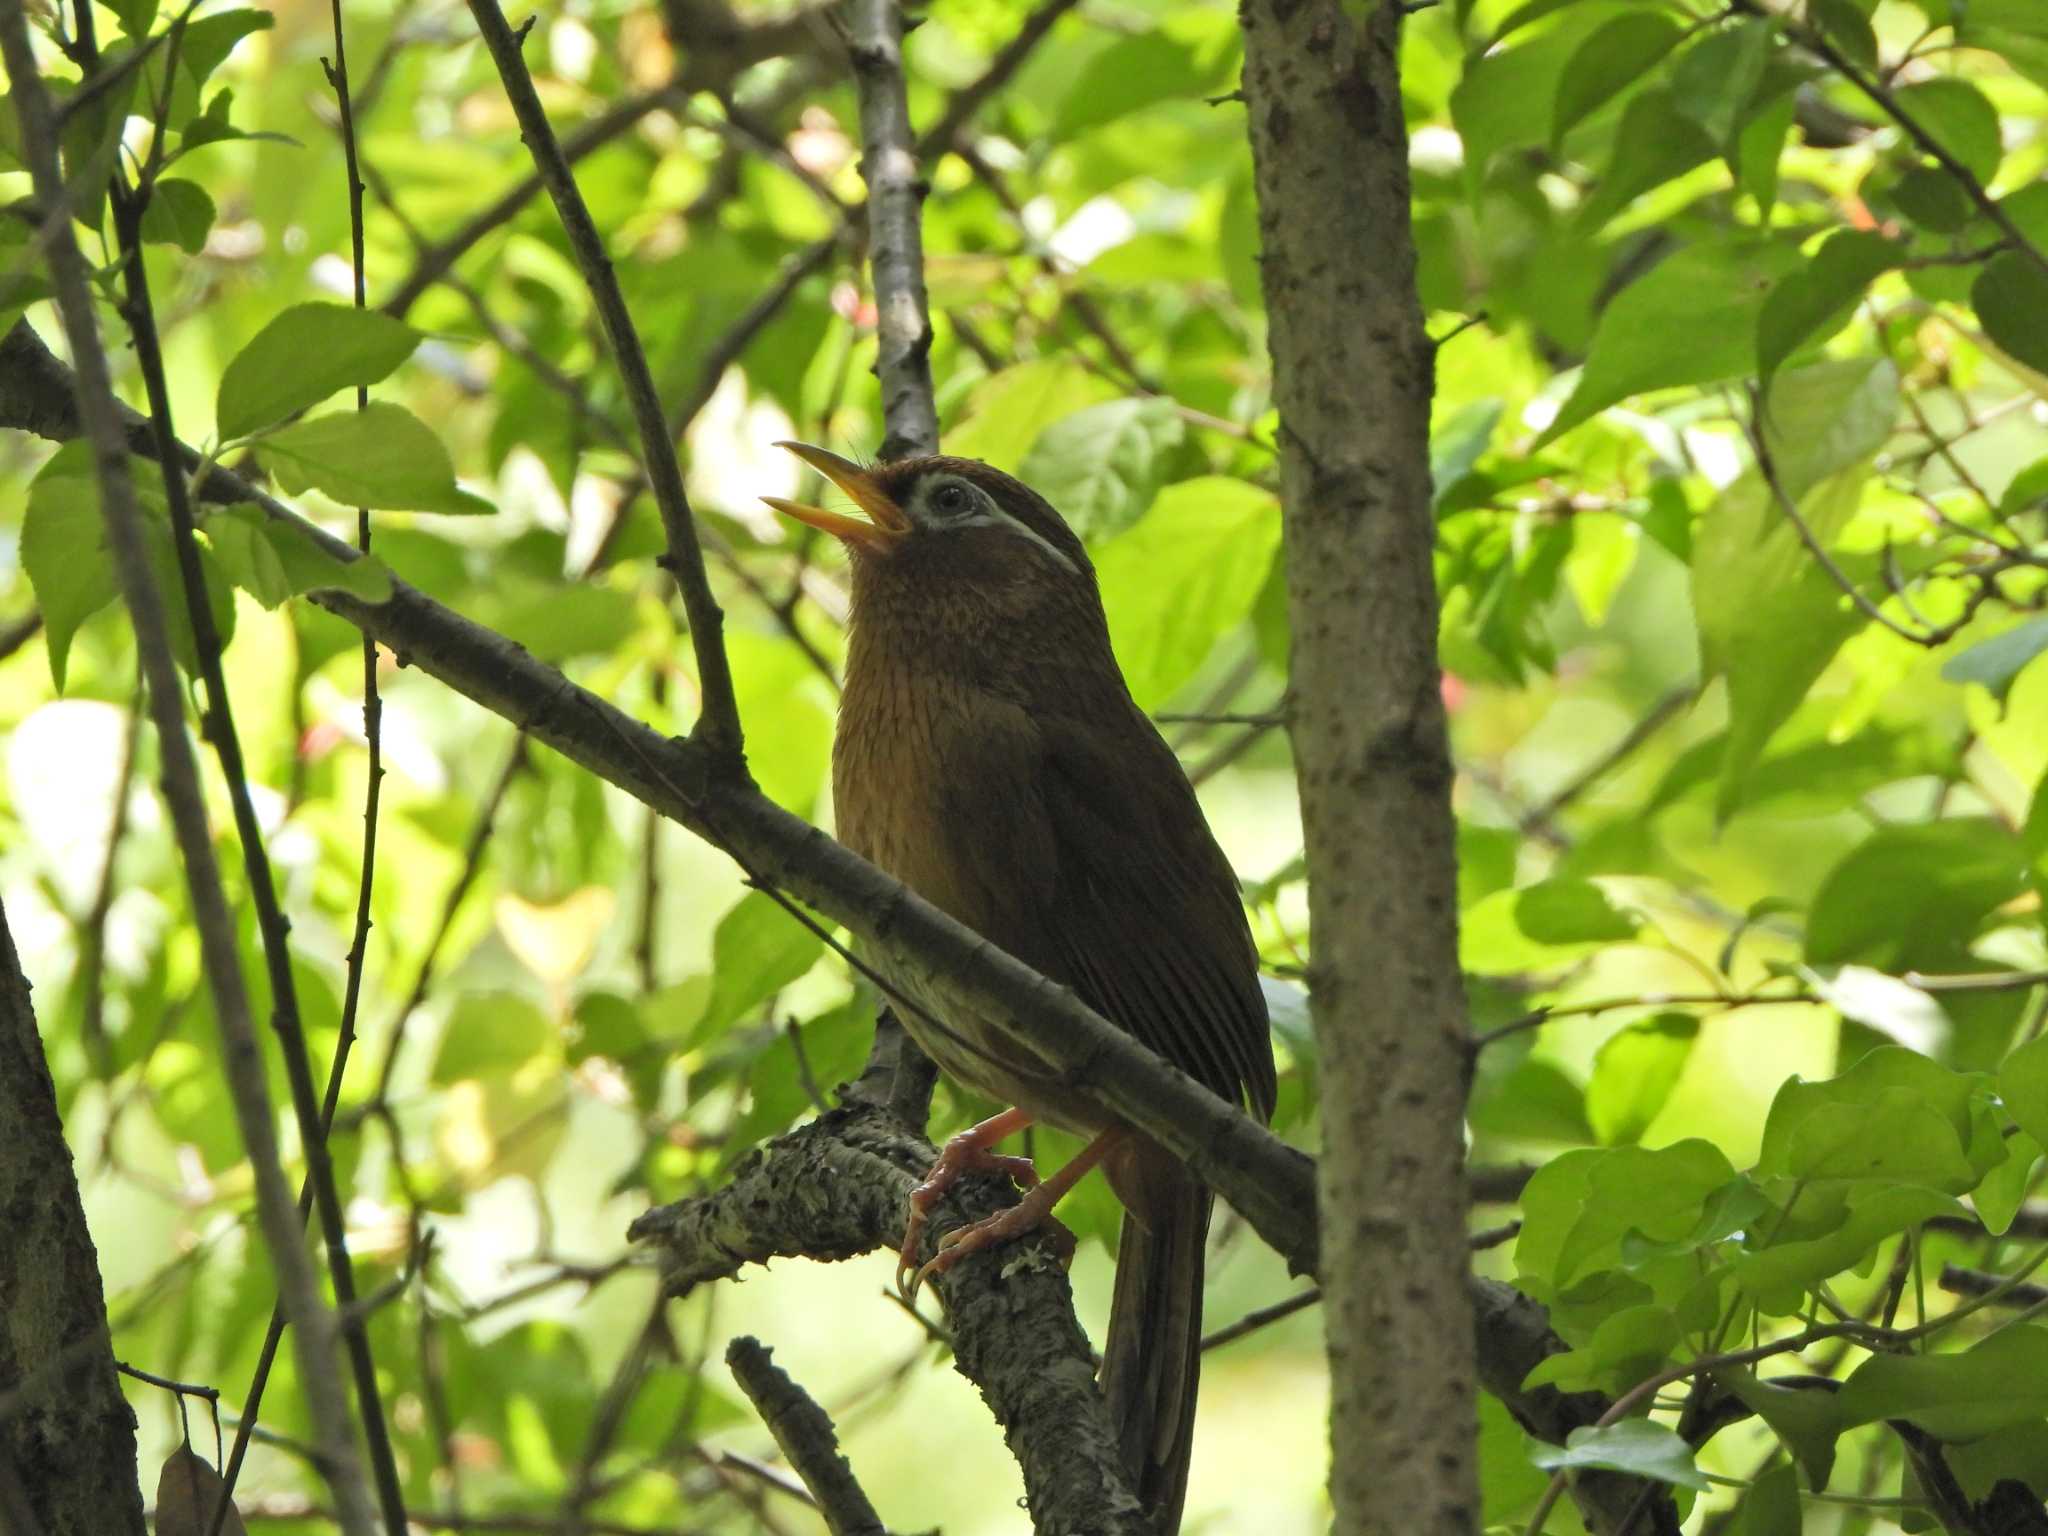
(881, 535)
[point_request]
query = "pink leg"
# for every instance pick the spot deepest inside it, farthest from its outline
(967, 1152)
(1026, 1216)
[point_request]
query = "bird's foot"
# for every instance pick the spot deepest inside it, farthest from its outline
(1031, 1214)
(965, 1153)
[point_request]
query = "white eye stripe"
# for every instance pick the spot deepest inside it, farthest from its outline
(972, 508)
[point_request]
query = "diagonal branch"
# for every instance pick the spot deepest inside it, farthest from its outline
(807, 1438)
(718, 727)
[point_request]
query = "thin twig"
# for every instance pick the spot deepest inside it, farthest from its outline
(71, 281)
(807, 1438)
(895, 230)
(718, 727)
(1653, 721)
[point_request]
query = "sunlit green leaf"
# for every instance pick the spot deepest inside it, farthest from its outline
(1638, 1447)
(383, 457)
(305, 354)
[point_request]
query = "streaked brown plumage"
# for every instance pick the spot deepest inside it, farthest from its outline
(990, 756)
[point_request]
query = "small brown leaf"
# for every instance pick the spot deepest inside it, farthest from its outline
(186, 1491)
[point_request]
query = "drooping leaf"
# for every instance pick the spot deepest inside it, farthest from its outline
(1634, 1073)
(2001, 1381)
(1809, 305)
(385, 458)
(2011, 295)
(1183, 576)
(1612, 59)
(1996, 662)
(1102, 465)
(1959, 118)
(1639, 1447)
(272, 560)
(1914, 891)
(302, 356)
(757, 951)
(180, 213)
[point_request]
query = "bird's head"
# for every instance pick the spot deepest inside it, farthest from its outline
(937, 518)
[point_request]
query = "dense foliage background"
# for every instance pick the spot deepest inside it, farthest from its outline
(1741, 458)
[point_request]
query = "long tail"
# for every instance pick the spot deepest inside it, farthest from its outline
(1152, 1358)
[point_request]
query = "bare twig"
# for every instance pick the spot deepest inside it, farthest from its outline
(718, 727)
(807, 1438)
(895, 232)
(326, 1403)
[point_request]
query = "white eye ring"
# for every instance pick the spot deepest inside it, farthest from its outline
(952, 499)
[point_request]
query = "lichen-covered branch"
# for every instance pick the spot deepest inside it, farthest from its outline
(840, 1186)
(807, 1438)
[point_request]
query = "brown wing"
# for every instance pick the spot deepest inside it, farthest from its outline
(1145, 914)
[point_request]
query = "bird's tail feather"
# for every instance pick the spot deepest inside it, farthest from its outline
(1151, 1359)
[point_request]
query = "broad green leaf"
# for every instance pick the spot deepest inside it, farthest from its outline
(1534, 1102)
(1806, 1419)
(1655, 142)
(1930, 197)
(1102, 465)
(1914, 894)
(780, 1081)
(1634, 1073)
(492, 1034)
(786, 704)
(385, 458)
(1571, 912)
(2023, 1085)
(2001, 1193)
(1958, 118)
(135, 17)
(64, 553)
(1811, 304)
(2001, 1381)
(301, 357)
(1771, 1507)
(1834, 1228)
(2026, 489)
(272, 560)
(179, 213)
(1580, 1208)
(2011, 295)
(1714, 80)
(757, 951)
(1770, 619)
(1010, 409)
(1639, 1447)
(1720, 288)
(1131, 73)
(1628, 1345)
(1504, 98)
(1183, 576)
(1847, 27)
(1894, 1114)
(1828, 416)
(1612, 59)
(1996, 662)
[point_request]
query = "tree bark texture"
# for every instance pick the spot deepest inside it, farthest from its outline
(1352, 378)
(64, 1426)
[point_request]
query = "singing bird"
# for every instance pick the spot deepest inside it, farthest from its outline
(990, 756)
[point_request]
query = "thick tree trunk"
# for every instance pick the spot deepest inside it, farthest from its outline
(1352, 377)
(66, 1434)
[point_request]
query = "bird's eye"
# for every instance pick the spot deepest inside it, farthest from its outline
(951, 500)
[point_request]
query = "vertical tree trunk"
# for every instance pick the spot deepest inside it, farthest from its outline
(1352, 377)
(66, 1432)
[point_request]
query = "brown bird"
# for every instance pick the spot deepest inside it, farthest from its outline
(990, 756)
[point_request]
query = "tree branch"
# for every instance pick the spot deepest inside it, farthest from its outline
(718, 726)
(807, 1438)
(895, 230)
(99, 417)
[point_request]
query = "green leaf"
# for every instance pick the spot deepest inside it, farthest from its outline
(1771, 1507)
(757, 951)
(1884, 1003)
(1931, 198)
(1183, 576)
(304, 355)
(209, 40)
(1715, 79)
(1580, 1209)
(1102, 465)
(135, 17)
(63, 552)
(1656, 142)
(1612, 59)
(1912, 891)
(2011, 296)
(1571, 912)
(1847, 27)
(1770, 619)
(384, 457)
(1894, 1115)
(2023, 1085)
(1634, 1073)
(1720, 289)
(1956, 116)
(1828, 416)
(1833, 1227)
(1996, 662)
(1131, 73)
(1639, 1447)
(1807, 1420)
(179, 213)
(272, 559)
(491, 1034)
(1998, 1382)
(1813, 303)
(1011, 408)
(1504, 98)
(1998, 1198)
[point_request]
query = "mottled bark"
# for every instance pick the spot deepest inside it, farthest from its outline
(1352, 378)
(64, 1427)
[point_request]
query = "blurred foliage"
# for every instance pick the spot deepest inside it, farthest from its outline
(1744, 310)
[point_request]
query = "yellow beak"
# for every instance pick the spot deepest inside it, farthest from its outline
(889, 523)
